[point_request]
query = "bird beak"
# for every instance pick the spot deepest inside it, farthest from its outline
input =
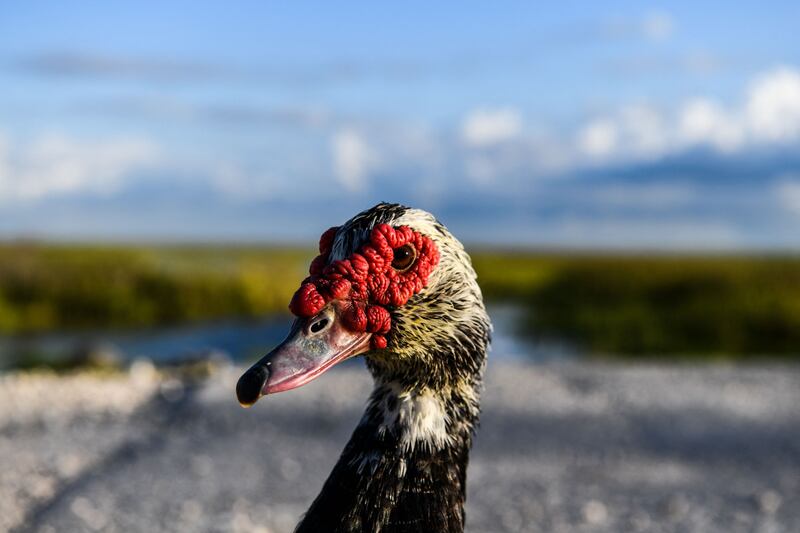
(313, 346)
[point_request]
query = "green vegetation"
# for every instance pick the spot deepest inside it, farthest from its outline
(47, 287)
(727, 306)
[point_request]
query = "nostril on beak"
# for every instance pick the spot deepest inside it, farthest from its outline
(319, 325)
(250, 385)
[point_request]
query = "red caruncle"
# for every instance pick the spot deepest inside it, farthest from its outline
(366, 281)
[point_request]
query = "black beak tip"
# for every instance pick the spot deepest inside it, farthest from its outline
(250, 385)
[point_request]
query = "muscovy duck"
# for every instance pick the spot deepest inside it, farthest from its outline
(391, 284)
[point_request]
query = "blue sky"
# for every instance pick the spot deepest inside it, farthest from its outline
(612, 125)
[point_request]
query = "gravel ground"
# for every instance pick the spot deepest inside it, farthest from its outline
(562, 448)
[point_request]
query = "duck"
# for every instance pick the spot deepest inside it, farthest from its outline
(394, 286)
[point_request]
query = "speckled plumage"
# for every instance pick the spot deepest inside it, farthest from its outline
(404, 468)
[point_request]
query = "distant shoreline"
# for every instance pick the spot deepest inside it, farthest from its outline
(630, 305)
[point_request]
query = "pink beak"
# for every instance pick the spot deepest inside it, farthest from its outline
(312, 347)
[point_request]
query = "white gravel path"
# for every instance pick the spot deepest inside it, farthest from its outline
(562, 448)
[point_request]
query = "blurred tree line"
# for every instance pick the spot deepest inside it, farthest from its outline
(619, 305)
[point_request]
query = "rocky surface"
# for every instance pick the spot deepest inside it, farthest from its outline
(562, 448)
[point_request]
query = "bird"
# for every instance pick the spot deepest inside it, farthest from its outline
(393, 286)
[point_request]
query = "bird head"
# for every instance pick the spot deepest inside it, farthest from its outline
(391, 284)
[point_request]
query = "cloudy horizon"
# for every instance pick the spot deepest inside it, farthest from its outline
(615, 126)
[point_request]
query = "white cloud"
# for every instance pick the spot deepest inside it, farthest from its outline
(645, 130)
(485, 127)
(702, 121)
(768, 115)
(633, 131)
(57, 164)
(493, 147)
(599, 138)
(773, 106)
(353, 159)
(641, 132)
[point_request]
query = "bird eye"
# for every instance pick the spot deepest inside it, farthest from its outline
(404, 258)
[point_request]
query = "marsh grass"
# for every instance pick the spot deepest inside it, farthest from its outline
(57, 287)
(621, 305)
(722, 306)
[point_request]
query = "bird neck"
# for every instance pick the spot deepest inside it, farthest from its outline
(404, 468)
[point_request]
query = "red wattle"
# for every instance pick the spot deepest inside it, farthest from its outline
(378, 342)
(307, 301)
(367, 280)
(326, 240)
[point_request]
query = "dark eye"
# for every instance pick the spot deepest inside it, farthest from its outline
(404, 258)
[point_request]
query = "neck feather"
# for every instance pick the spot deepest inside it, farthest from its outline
(404, 468)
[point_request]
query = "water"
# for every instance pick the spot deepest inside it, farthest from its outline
(239, 340)
(508, 342)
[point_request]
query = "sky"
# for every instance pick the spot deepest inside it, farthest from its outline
(581, 125)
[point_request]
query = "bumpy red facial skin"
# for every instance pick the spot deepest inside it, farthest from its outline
(366, 280)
